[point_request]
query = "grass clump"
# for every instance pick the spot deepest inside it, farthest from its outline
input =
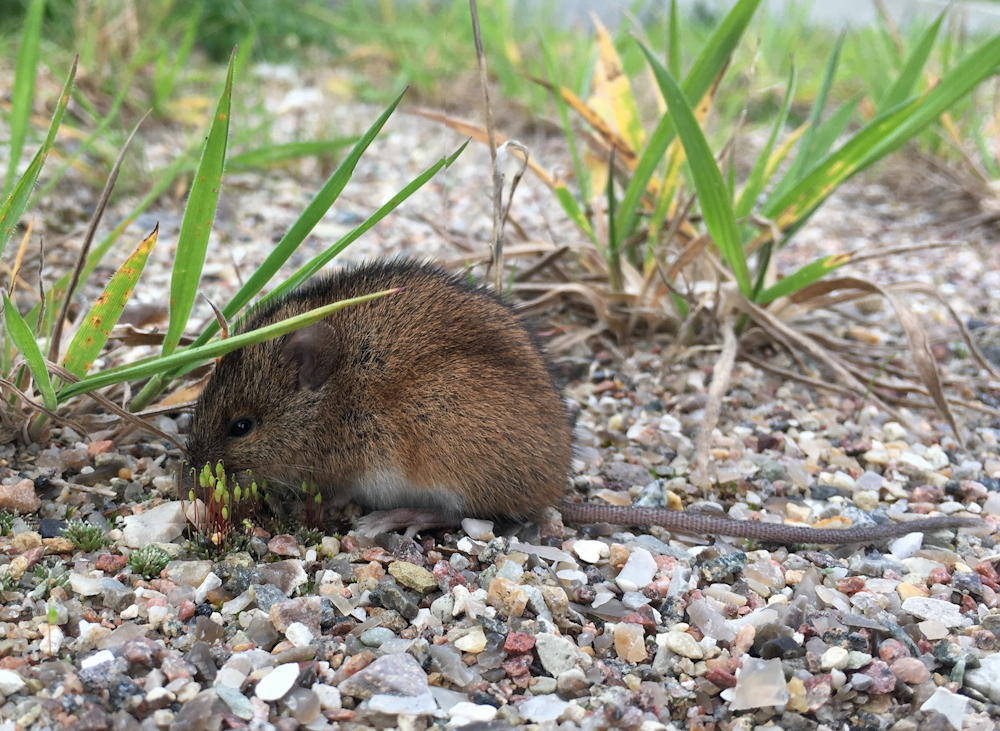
(148, 561)
(85, 536)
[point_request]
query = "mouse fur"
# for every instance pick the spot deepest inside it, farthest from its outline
(435, 403)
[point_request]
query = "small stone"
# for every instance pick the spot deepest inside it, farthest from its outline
(834, 658)
(188, 573)
(11, 683)
(375, 636)
(591, 551)
(161, 524)
(276, 684)
(630, 642)
(464, 713)
(388, 594)
(683, 644)
(761, 683)
(20, 497)
(518, 643)
(942, 611)
(298, 634)
(413, 576)
(509, 598)
(638, 571)
(933, 630)
(542, 708)
(24, 542)
(952, 706)
(881, 677)
(910, 670)
(557, 654)
(474, 641)
(284, 545)
(399, 674)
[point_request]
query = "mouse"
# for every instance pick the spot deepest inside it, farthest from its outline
(424, 407)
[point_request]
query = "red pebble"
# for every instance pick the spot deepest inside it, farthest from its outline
(721, 678)
(891, 650)
(988, 571)
(349, 544)
(518, 643)
(448, 578)
(939, 575)
(109, 563)
(516, 668)
(642, 616)
(968, 604)
(851, 585)
(185, 610)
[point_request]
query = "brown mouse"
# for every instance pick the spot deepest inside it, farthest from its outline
(426, 406)
(429, 405)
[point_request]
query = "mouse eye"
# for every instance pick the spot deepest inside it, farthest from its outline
(241, 426)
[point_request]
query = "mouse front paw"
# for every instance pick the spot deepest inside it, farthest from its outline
(414, 521)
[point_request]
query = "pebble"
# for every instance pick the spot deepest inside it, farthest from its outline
(464, 713)
(557, 654)
(390, 674)
(637, 572)
(161, 524)
(952, 706)
(834, 658)
(542, 708)
(683, 644)
(591, 551)
(910, 670)
(19, 497)
(276, 684)
(938, 610)
(11, 683)
(474, 641)
(761, 683)
(630, 642)
(413, 576)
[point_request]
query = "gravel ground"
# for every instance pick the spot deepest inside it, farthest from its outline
(562, 627)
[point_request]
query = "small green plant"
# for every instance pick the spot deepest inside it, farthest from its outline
(48, 578)
(6, 521)
(85, 536)
(226, 512)
(310, 536)
(7, 581)
(148, 561)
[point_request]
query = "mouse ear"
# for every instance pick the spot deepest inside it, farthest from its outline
(312, 351)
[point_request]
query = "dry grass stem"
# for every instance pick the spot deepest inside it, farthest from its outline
(722, 373)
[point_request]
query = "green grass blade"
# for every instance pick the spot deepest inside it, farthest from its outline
(321, 260)
(833, 127)
(835, 168)
(805, 156)
(14, 207)
(706, 68)
(196, 226)
(803, 277)
(316, 209)
(25, 341)
(214, 349)
(913, 68)
(273, 155)
(23, 93)
(92, 335)
(674, 43)
(713, 195)
(755, 183)
(572, 209)
(582, 176)
(957, 83)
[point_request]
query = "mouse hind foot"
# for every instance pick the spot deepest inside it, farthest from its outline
(413, 520)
